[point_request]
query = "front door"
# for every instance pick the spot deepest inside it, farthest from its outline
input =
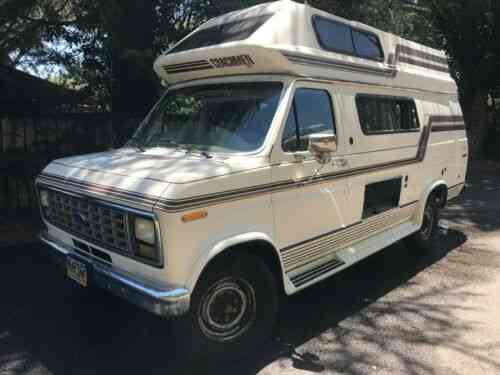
(311, 202)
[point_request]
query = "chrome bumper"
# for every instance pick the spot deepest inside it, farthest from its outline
(167, 302)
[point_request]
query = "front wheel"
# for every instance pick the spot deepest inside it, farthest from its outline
(233, 309)
(424, 238)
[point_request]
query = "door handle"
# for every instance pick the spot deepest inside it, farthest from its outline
(339, 162)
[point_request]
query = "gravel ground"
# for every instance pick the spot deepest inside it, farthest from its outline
(398, 312)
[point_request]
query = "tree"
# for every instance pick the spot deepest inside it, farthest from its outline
(469, 32)
(89, 44)
(67, 37)
(23, 30)
(134, 85)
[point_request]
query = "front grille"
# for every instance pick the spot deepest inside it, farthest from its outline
(98, 223)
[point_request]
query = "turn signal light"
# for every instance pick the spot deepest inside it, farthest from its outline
(193, 216)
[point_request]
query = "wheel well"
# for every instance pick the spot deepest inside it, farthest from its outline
(260, 248)
(441, 193)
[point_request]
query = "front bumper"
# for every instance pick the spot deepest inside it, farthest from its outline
(169, 301)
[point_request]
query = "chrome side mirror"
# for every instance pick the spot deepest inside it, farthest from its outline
(322, 146)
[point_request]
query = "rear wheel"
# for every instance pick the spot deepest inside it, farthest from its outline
(424, 238)
(233, 309)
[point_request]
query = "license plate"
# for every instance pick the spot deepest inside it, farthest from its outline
(77, 271)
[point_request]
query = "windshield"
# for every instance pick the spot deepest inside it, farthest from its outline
(227, 118)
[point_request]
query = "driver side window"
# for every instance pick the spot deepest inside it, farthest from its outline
(311, 113)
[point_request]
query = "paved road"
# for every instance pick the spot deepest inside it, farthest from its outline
(397, 312)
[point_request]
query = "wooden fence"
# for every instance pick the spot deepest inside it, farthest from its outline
(28, 144)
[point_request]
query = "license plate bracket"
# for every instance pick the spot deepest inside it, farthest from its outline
(77, 271)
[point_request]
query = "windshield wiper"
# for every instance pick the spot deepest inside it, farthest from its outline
(206, 154)
(187, 148)
(190, 150)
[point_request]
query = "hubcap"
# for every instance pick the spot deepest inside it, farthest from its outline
(428, 223)
(227, 310)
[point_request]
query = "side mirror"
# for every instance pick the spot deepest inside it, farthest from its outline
(322, 146)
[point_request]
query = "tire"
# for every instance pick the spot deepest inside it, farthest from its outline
(232, 312)
(424, 238)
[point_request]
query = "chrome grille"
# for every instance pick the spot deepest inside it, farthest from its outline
(97, 223)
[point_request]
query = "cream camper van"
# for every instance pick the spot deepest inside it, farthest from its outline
(289, 145)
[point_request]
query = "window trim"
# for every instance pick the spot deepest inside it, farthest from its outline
(293, 107)
(395, 98)
(351, 28)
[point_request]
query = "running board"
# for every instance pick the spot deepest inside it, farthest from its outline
(307, 276)
(346, 257)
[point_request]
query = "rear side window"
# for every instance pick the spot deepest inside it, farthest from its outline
(334, 36)
(367, 45)
(339, 37)
(225, 33)
(383, 115)
(311, 113)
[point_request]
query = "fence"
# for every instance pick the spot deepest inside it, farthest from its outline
(27, 144)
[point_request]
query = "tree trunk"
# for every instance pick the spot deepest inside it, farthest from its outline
(475, 109)
(134, 92)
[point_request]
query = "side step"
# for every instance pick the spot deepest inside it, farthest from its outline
(307, 276)
(346, 257)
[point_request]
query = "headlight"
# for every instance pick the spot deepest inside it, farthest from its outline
(44, 199)
(145, 230)
(145, 239)
(147, 251)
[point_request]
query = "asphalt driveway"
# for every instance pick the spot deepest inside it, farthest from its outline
(398, 312)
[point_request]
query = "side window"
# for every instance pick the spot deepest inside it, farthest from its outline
(382, 115)
(367, 45)
(342, 38)
(311, 113)
(334, 35)
(409, 116)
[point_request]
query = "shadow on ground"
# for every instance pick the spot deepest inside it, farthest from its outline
(478, 207)
(47, 323)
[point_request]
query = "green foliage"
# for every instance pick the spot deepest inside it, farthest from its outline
(470, 33)
(67, 38)
(22, 30)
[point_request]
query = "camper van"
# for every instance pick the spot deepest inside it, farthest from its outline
(289, 145)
